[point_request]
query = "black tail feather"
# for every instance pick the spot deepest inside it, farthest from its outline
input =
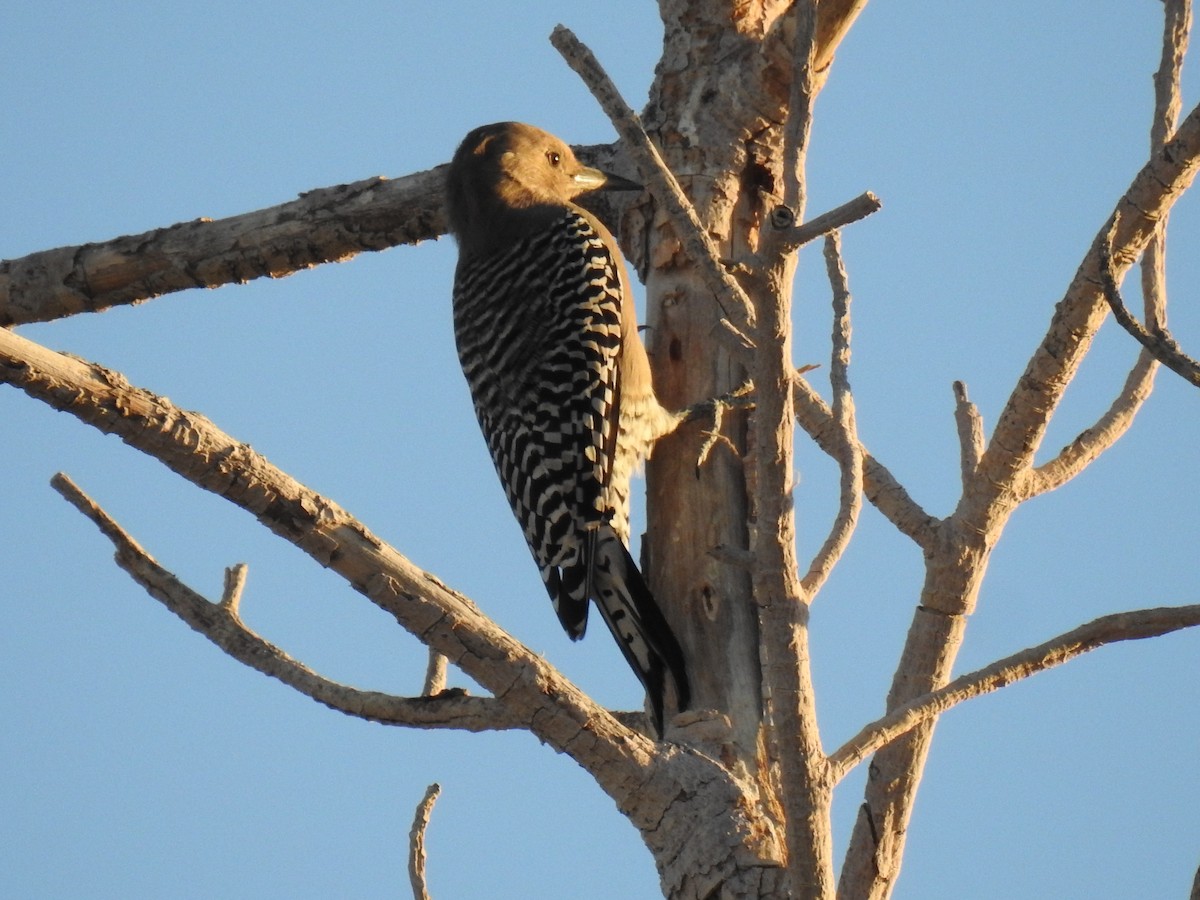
(635, 620)
(568, 592)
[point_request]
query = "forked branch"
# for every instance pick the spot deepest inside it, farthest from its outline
(1159, 343)
(192, 446)
(880, 486)
(1116, 420)
(221, 624)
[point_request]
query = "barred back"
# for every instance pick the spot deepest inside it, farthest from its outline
(538, 328)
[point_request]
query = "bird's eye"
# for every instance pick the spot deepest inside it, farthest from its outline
(554, 158)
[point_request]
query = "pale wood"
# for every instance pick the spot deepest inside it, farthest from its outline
(849, 454)
(955, 569)
(1134, 625)
(323, 225)
(645, 779)
(221, 624)
(416, 842)
(736, 802)
(1159, 343)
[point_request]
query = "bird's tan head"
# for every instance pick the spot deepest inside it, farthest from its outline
(508, 167)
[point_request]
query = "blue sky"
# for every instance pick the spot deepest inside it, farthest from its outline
(138, 761)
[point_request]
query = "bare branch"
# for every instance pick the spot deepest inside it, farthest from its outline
(1126, 626)
(880, 487)
(1023, 421)
(833, 22)
(970, 432)
(220, 623)
(1093, 441)
(654, 172)
(860, 207)
(793, 736)
(192, 446)
(324, 225)
(850, 452)
(806, 84)
(416, 842)
(1168, 92)
(1116, 420)
(1158, 344)
(954, 569)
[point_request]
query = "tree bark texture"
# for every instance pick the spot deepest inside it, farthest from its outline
(735, 803)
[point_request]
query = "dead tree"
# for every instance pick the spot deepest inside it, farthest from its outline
(717, 248)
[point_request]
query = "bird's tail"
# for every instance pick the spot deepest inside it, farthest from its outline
(633, 617)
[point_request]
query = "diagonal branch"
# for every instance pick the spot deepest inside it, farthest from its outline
(192, 446)
(324, 225)
(221, 624)
(1126, 626)
(1117, 419)
(1025, 417)
(654, 171)
(880, 486)
(1159, 343)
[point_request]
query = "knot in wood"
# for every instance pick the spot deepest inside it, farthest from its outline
(782, 217)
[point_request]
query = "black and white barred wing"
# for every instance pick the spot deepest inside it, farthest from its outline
(538, 328)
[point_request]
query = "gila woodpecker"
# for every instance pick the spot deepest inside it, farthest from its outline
(547, 337)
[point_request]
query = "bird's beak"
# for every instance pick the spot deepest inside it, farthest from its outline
(595, 180)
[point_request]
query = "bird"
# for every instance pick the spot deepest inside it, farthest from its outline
(547, 336)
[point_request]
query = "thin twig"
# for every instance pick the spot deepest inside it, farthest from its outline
(416, 842)
(713, 436)
(220, 623)
(1159, 344)
(849, 451)
(659, 179)
(1125, 626)
(715, 409)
